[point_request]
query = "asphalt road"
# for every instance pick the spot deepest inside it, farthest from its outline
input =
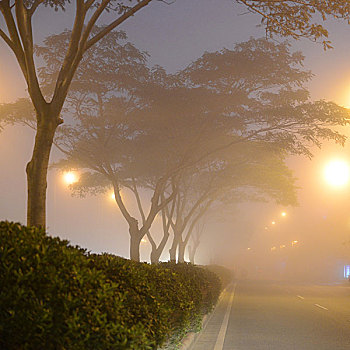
(262, 315)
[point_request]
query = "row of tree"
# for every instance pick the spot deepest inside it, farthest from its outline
(214, 133)
(287, 18)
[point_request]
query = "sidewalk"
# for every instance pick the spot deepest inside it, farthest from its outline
(213, 333)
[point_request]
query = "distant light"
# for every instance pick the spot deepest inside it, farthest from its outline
(273, 222)
(346, 271)
(70, 177)
(112, 196)
(283, 214)
(273, 248)
(337, 173)
(144, 240)
(282, 246)
(266, 228)
(294, 242)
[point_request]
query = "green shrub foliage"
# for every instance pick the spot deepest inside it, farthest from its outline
(225, 275)
(56, 296)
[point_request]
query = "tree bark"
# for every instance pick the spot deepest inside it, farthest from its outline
(191, 254)
(192, 251)
(37, 171)
(157, 251)
(181, 253)
(135, 241)
(173, 249)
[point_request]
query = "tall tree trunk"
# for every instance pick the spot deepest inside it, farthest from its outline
(191, 254)
(37, 171)
(157, 251)
(181, 253)
(192, 251)
(173, 249)
(135, 240)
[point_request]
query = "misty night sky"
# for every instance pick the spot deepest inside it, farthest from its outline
(174, 35)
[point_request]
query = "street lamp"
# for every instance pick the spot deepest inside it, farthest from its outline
(70, 177)
(337, 173)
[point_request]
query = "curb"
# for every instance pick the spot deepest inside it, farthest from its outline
(190, 339)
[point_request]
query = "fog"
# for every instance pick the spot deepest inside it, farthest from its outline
(310, 243)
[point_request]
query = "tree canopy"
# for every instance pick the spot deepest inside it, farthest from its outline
(216, 115)
(298, 18)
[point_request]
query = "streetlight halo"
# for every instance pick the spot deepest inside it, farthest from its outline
(337, 173)
(70, 177)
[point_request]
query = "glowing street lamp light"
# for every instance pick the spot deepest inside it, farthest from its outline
(273, 222)
(337, 173)
(111, 195)
(284, 214)
(294, 243)
(70, 177)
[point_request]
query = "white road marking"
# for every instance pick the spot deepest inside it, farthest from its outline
(320, 306)
(221, 336)
(299, 296)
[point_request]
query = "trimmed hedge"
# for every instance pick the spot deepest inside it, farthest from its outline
(56, 296)
(225, 275)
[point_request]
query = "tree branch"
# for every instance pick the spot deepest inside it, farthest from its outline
(115, 23)
(12, 29)
(24, 23)
(7, 40)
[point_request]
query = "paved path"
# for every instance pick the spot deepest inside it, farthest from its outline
(278, 316)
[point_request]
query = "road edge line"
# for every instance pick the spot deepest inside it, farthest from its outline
(223, 329)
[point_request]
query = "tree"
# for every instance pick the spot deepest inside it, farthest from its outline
(18, 18)
(258, 88)
(106, 141)
(198, 230)
(251, 171)
(291, 18)
(144, 130)
(297, 18)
